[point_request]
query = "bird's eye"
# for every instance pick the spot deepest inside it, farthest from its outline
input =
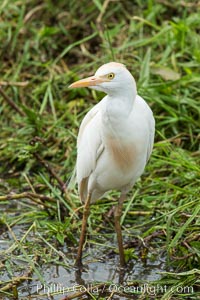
(110, 76)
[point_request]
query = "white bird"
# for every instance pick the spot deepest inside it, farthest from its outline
(114, 142)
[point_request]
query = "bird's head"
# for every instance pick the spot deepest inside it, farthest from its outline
(111, 78)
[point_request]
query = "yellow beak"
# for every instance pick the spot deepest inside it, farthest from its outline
(89, 81)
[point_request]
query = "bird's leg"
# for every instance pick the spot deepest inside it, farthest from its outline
(86, 211)
(117, 217)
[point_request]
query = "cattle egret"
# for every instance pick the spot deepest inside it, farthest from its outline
(114, 142)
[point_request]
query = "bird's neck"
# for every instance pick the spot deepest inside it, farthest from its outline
(115, 116)
(120, 105)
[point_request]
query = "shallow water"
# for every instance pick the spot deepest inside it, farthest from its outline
(63, 280)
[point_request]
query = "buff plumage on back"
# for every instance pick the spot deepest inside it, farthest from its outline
(114, 142)
(90, 143)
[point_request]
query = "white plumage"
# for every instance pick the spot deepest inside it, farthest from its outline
(116, 136)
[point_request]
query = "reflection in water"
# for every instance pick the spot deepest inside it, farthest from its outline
(96, 276)
(100, 273)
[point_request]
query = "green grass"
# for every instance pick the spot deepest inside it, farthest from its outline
(45, 46)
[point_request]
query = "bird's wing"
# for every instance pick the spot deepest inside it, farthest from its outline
(151, 135)
(89, 147)
(145, 111)
(86, 120)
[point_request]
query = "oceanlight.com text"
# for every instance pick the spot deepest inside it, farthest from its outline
(147, 289)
